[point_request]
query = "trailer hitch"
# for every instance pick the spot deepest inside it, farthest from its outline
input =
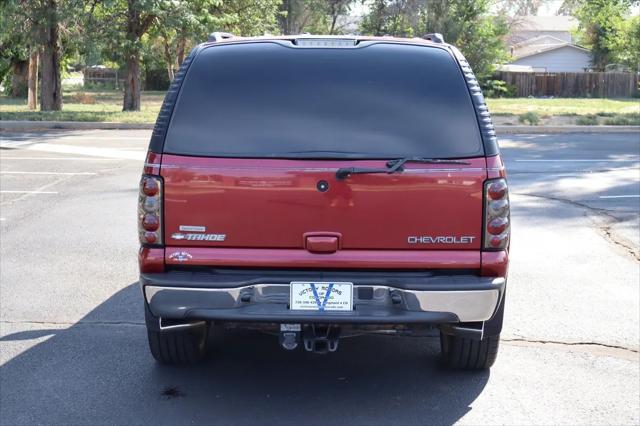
(321, 339)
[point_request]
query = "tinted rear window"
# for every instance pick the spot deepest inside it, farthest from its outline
(378, 101)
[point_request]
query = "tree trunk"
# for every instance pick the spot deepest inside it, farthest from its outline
(136, 27)
(334, 20)
(180, 50)
(19, 72)
(50, 87)
(32, 97)
(132, 82)
(168, 58)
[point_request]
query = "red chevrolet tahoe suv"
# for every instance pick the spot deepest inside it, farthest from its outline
(320, 187)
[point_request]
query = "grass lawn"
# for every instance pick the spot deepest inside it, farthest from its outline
(563, 106)
(87, 105)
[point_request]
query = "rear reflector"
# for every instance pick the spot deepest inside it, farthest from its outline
(497, 215)
(150, 210)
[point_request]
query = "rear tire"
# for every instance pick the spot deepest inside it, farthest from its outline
(467, 354)
(180, 346)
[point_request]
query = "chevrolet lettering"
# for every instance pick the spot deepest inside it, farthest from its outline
(448, 239)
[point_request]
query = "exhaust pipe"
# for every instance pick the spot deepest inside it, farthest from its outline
(171, 324)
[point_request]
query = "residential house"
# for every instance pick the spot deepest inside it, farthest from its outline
(545, 44)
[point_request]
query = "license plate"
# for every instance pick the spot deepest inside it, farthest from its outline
(321, 296)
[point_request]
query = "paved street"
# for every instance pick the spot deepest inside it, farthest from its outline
(73, 346)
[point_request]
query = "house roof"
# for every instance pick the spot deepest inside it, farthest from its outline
(544, 23)
(537, 45)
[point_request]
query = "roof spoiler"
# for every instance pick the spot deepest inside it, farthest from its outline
(434, 37)
(219, 36)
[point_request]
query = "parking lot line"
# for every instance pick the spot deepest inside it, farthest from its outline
(49, 173)
(58, 158)
(28, 192)
(69, 138)
(620, 196)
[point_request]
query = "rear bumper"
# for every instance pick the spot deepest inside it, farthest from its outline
(379, 297)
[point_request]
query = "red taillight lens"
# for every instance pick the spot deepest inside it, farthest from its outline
(150, 222)
(150, 210)
(150, 186)
(496, 221)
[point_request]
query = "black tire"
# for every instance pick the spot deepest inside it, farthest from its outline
(467, 354)
(180, 346)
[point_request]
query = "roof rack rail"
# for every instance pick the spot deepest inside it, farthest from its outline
(434, 37)
(219, 36)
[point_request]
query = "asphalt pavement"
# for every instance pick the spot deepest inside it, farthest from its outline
(73, 346)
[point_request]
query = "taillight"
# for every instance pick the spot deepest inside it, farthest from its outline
(496, 217)
(150, 210)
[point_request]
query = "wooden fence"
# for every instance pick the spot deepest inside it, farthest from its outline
(572, 84)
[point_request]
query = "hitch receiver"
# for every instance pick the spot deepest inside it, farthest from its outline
(320, 339)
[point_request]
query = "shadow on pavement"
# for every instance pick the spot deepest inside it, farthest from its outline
(100, 372)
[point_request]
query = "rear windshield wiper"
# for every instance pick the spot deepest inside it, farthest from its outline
(393, 166)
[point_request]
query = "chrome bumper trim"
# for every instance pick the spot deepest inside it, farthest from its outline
(467, 305)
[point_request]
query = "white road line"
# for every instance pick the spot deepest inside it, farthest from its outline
(89, 151)
(72, 138)
(2, 219)
(50, 173)
(28, 192)
(620, 196)
(58, 158)
(578, 160)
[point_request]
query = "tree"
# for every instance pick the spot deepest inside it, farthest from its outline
(466, 24)
(518, 7)
(140, 14)
(22, 27)
(313, 16)
(601, 29)
(117, 27)
(630, 51)
(181, 24)
(50, 57)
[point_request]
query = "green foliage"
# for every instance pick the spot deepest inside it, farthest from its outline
(587, 120)
(14, 40)
(493, 88)
(624, 120)
(629, 50)
(465, 24)
(603, 30)
(313, 16)
(532, 118)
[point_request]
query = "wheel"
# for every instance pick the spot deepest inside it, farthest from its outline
(467, 354)
(180, 346)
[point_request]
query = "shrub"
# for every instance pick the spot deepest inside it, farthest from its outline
(83, 98)
(587, 120)
(498, 89)
(624, 120)
(529, 117)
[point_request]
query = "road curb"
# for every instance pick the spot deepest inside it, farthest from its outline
(505, 130)
(71, 125)
(91, 125)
